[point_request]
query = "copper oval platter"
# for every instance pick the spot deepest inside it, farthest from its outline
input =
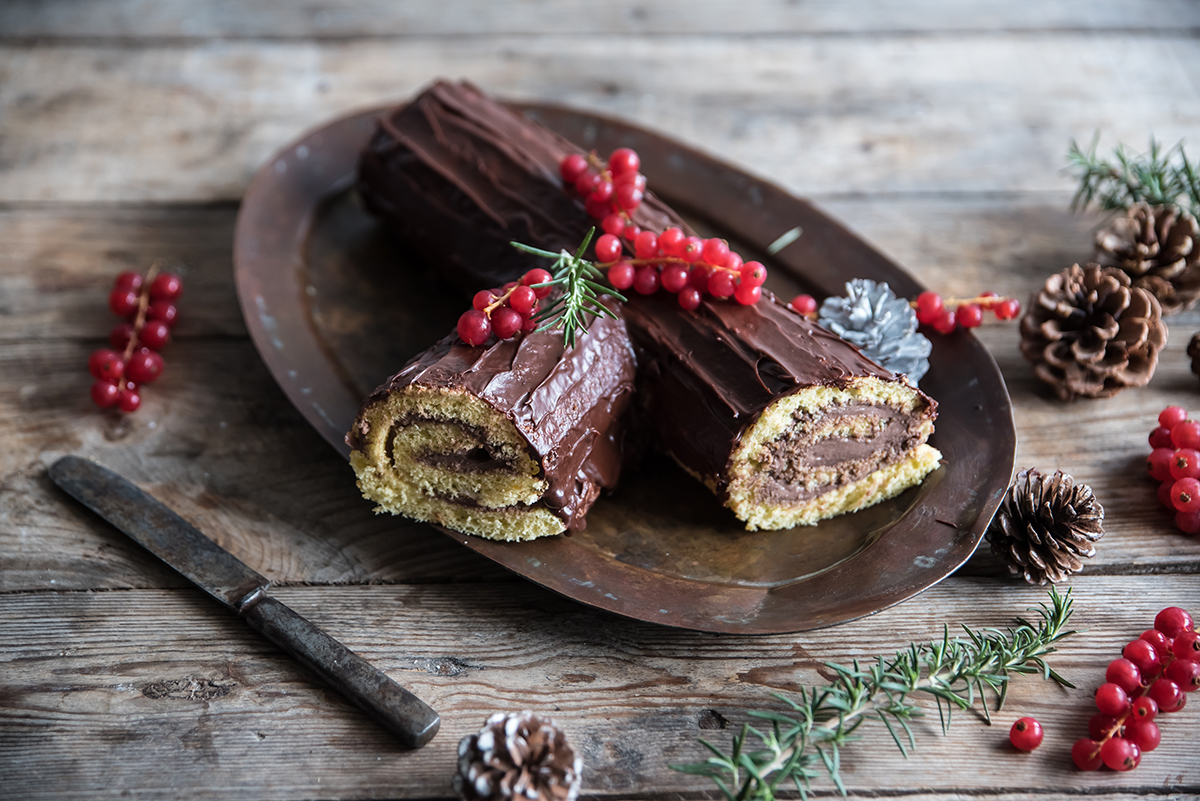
(335, 307)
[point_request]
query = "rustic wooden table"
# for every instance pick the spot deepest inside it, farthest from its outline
(129, 131)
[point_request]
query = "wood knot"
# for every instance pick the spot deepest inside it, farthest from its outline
(189, 689)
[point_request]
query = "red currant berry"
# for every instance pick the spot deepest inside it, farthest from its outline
(645, 245)
(1164, 495)
(720, 284)
(804, 304)
(474, 327)
(1185, 463)
(1168, 695)
(1007, 309)
(483, 298)
(571, 167)
(645, 282)
(946, 322)
(969, 315)
(692, 250)
(1160, 641)
(1161, 438)
(716, 251)
(624, 160)
(523, 300)
(613, 224)
(621, 275)
(1186, 435)
(671, 242)
(1185, 673)
(166, 286)
(1173, 620)
(1086, 754)
(1143, 655)
(1112, 700)
(123, 302)
(689, 298)
(1144, 708)
(1172, 415)
(106, 364)
(602, 192)
(506, 322)
(586, 182)
(1187, 645)
(628, 196)
(1120, 754)
(635, 179)
(1125, 674)
(155, 334)
(529, 324)
(105, 394)
(1102, 726)
(1158, 463)
(1185, 495)
(1026, 734)
(144, 366)
(597, 209)
(129, 280)
(698, 278)
(747, 294)
(537, 276)
(753, 273)
(119, 337)
(129, 399)
(163, 310)
(674, 277)
(608, 248)
(929, 307)
(1144, 734)
(631, 231)
(733, 262)
(1188, 522)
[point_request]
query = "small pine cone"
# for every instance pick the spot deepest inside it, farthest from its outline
(881, 325)
(517, 756)
(1193, 352)
(1090, 334)
(1159, 248)
(1046, 526)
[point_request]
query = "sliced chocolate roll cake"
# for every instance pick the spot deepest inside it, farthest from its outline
(787, 423)
(509, 441)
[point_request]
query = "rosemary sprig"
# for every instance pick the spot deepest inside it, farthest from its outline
(1158, 177)
(578, 300)
(805, 741)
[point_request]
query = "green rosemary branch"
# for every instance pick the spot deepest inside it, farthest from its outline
(1158, 177)
(578, 301)
(805, 742)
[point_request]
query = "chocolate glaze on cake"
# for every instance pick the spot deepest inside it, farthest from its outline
(568, 405)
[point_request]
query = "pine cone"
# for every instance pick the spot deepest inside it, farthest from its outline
(881, 325)
(1193, 352)
(1090, 334)
(517, 756)
(1159, 248)
(1045, 526)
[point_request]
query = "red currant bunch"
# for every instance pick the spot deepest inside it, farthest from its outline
(1175, 463)
(505, 311)
(686, 266)
(147, 304)
(945, 315)
(1154, 674)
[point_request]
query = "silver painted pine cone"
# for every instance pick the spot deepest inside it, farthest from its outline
(879, 324)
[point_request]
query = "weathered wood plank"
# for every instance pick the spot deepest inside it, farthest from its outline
(832, 116)
(100, 690)
(334, 19)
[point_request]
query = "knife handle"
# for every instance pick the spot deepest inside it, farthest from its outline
(401, 712)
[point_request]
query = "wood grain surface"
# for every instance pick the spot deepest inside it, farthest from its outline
(128, 131)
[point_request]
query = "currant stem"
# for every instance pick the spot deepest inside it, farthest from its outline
(139, 321)
(986, 301)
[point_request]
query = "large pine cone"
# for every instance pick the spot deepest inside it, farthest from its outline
(1046, 526)
(517, 756)
(1159, 248)
(1090, 334)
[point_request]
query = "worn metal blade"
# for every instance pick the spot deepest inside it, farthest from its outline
(159, 530)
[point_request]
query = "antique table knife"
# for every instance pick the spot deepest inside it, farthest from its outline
(216, 571)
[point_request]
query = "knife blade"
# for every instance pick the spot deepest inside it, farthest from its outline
(226, 578)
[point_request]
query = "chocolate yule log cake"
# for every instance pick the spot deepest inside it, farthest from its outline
(509, 441)
(784, 421)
